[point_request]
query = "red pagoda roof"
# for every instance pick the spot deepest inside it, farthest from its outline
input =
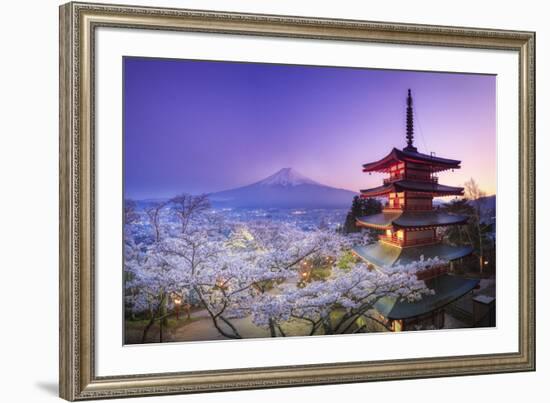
(410, 219)
(383, 255)
(435, 189)
(436, 164)
(447, 288)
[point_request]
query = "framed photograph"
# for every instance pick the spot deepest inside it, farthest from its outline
(254, 201)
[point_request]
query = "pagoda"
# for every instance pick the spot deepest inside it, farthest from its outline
(409, 223)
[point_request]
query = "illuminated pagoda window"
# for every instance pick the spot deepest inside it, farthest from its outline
(409, 225)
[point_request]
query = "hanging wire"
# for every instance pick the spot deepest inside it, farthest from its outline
(424, 142)
(415, 112)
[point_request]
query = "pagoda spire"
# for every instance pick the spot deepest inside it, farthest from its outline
(410, 125)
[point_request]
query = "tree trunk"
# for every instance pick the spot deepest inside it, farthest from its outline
(327, 326)
(147, 327)
(272, 329)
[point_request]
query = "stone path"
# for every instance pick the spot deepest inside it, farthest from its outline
(203, 329)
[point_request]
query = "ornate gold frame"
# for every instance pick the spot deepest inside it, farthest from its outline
(78, 21)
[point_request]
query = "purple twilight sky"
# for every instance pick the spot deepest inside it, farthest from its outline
(199, 126)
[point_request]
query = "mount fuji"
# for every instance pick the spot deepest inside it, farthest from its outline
(286, 188)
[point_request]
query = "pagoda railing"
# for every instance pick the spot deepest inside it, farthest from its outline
(433, 179)
(394, 240)
(387, 206)
(391, 239)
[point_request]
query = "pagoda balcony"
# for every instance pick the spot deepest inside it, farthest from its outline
(394, 240)
(433, 179)
(390, 207)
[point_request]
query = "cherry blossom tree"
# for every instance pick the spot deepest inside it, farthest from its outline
(253, 269)
(186, 207)
(149, 281)
(154, 212)
(350, 294)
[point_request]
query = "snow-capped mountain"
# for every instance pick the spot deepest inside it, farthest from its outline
(287, 177)
(286, 188)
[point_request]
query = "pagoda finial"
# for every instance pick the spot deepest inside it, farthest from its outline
(410, 126)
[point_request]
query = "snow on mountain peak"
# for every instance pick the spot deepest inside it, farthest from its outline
(287, 177)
